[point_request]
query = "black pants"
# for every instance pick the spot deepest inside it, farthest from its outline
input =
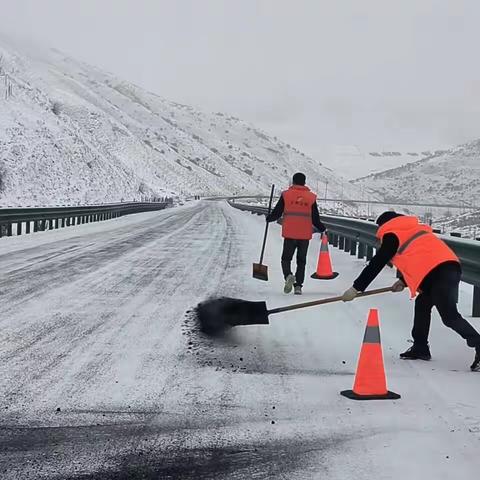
(440, 290)
(289, 247)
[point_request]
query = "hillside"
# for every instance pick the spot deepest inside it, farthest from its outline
(453, 176)
(354, 162)
(70, 132)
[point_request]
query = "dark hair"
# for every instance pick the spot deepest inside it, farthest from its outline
(299, 179)
(386, 217)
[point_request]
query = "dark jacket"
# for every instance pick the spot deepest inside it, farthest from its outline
(384, 255)
(277, 213)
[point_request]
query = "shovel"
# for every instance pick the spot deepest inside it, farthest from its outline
(260, 271)
(217, 315)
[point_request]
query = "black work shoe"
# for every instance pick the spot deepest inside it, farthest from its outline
(416, 353)
(475, 366)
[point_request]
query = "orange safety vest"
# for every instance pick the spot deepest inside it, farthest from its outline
(297, 214)
(419, 250)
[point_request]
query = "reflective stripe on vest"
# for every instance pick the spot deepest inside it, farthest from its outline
(403, 247)
(296, 214)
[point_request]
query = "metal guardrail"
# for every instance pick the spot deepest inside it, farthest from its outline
(358, 237)
(24, 220)
(407, 203)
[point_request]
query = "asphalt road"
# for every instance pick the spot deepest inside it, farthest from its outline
(103, 375)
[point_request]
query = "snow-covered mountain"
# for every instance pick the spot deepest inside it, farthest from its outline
(453, 176)
(70, 132)
(355, 162)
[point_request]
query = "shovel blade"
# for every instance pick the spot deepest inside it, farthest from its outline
(260, 272)
(215, 316)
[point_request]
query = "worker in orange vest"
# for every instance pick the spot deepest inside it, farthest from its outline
(429, 268)
(298, 206)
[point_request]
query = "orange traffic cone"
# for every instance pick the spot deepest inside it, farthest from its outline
(370, 382)
(324, 265)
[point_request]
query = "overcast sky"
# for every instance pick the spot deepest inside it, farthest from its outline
(378, 74)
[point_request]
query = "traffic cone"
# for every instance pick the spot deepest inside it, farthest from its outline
(370, 381)
(324, 265)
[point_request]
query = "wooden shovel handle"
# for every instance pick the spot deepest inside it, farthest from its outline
(266, 225)
(327, 300)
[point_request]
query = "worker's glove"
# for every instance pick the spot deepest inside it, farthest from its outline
(349, 294)
(398, 286)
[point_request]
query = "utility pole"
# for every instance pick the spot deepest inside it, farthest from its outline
(343, 204)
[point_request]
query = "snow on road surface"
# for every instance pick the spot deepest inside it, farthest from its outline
(102, 376)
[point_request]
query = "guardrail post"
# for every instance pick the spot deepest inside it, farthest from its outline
(353, 247)
(335, 240)
(347, 245)
(56, 223)
(9, 230)
(362, 250)
(369, 252)
(51, 224)
(27, 226)
(19, 228)
(35, 225)
(341, 242)
(476, 301)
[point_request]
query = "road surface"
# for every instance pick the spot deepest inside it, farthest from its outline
(103, 376)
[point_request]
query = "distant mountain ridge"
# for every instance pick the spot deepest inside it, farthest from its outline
(452, 176)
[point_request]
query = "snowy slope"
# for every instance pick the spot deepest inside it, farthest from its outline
(447, 177)
(72, 133)
(354, 162)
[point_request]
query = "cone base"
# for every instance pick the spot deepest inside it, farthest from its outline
(355, 396)
(324, 277)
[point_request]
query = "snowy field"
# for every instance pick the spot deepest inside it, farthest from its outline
(103, 377)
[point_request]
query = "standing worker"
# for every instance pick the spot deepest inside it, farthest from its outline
(299, 208)
(427, 267)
